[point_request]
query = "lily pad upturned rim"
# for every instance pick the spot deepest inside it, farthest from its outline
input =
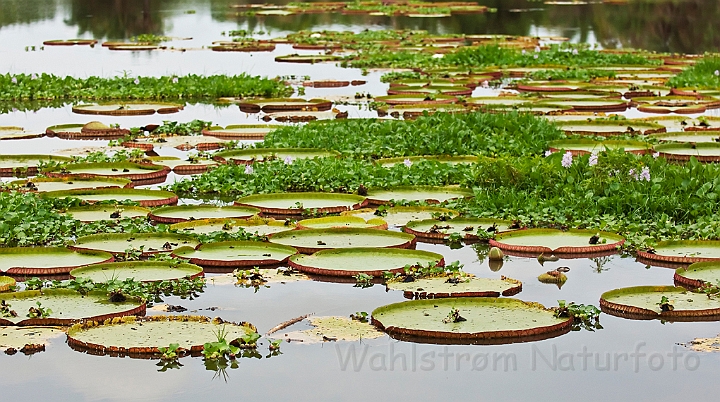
(425, 294)
(374, 223)
(30, 170)
(678, 259)
(297, 263)
(247, 201)
(92, 208)
(590, 248)
(140, 352)
(231, 155)
(192, 270)
(682, 280)
(423, 234)
(153, 171)
(639, 313)
(219, 132)
(113, 182)
(179, 253)
(404, 209)
(77, 245)
(157, 214)
(6, 283)
(307, 58)
(64, 131)
(105, 258)
(168, 197)
(622, 126)
(159, 107)
(492, 337)
(70, 42)
(557, 145)
(664, 148)
(290, 104)
(410, 99)
(54, 321)
(408, 240)
(467, 193)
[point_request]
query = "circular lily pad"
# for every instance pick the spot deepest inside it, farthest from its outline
(236, 254)
(142, 336)
(487, 320)
(644, 302)
(143, 271)
(696, 136)
(451, 160)
(12, 165)
(284, 105)
(610, 127)
(584, 146)
(126, 109)
(590, 104)
(16, 133)
(400, 216)
(698, 274)
(683, 251)
(182, 213)
(146, 198)
(67, 307)
(47, 260)
(445, 286)
(27, 340)
(241, 131)
(370, 261)
(70, 42)
(296, 203)
(498, 101)
(342, 222)
(127, 170)
(467, 227)
(248, 156)
(307, 58)
(94, 213)
(417, 193)
(703, 152)
(416, 99)
(44, 184)
(149, 243)
(257, 226)
(183, 167)
(314, 240)
(91, 130)
(557, 241)
(6, 283)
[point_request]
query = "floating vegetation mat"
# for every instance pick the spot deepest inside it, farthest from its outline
(256, 226)
(553, 241)
(452, 286)
(44, 184)
(468, 228)
(182, 213)
(400, 216)
(417, 193)
(683, 251)
(142, 271)
(469, 320)
(329, 222)
(47, 260)
(145, 243)
(134, 336)
(93, 213)
(369, 261)
(314, 240)
(145, 198)
(698, 274)
(64, 307)
(666, 302)
(451, 160)
(296, 203)
(236, 254)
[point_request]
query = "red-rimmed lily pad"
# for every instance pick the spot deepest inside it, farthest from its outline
(257, 226)
(67, 307)
(342, 222)
(417, 193)
(241, 131)
(181, 142)
(688, 136)
(296, 203)
(145, 198)
(554, 241)
(666, 302)
(451, 160)
(70, 42)
(47, 260)
(6, 283)
(12, 165)
(362, 260)
(411, 99)
(284, 105)
(236, 254)
(307, 58)
(468, 228)
(486, 320)
(127, 109)
(313, 240)
(400, 216)
(16, 133)
(683, 251)
(248, 156)
(585, 146)
(698, 274)
(126, 170)
(137, 337)
(703, 152)
(94, 213)
(590, 104)
(184, 166)
(450, 286)
(45, 184)
(182, 213)
(143, 271)
(91, 130)
(610, 127)
(147, 243)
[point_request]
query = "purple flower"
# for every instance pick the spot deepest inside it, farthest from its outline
(288, 160)
(644, 174)
(485, 84)
(33, 76)
(537, 49)
(175, 80)
(593, 159)
(656, 155)
(717, 73)
(548, 153)
(137, 81)
(535, 56)
(523, 51)
(249, 169)
(14, 109)
(575, 52)
(566, 159)
(407, 162)
(14, 80)
(632, 173)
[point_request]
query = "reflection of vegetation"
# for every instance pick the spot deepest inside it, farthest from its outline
(600, 264)
(117, 19)
(25, 11)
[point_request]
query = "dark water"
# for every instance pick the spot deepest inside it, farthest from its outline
(645, 360)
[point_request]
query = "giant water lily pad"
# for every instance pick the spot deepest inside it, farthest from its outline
(498, 101)
(143, 271)
(257, 226)
(91, 130)
(139, 336)
(307, 58)
(370, 261)
(127, 170)
(688, 136)
(32, 338)
(449, 286)
(149, 243)
(313, 240)
(698, 274)
(241, 131)
(610, 127)
(93, 213)
(182, 213)
(16, 133)
(683, 251)
(416, 99)
(487, 320)
(342, 222)
(450, 160)
(296, 203)
(181, 142)
(417, 193)
(334, 328)
(590, 105)
(557, 241)
(146, 198)
(704, 151)
(44, 184)
(6, 283)
(585, 146)
(284, 105)
(236, 254)
(127, 108)
(67, 307)
(247, 156)
(644, 302)
(11, 165)
(69, 42)
(184, 166)
(400, 216)
(47, 260)
(466, 227)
